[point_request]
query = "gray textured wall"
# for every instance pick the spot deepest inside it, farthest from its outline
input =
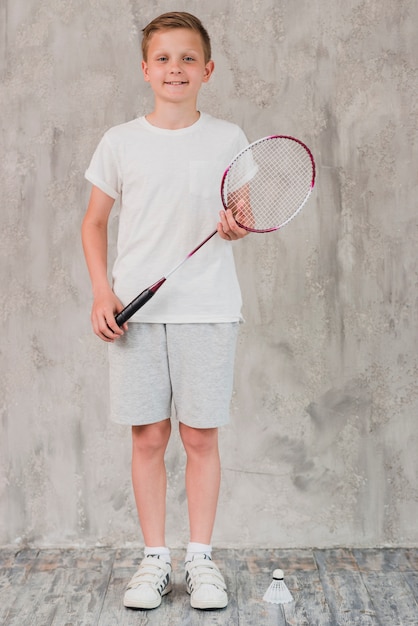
(322, 449)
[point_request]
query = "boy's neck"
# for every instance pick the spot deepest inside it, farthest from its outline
(173, 118)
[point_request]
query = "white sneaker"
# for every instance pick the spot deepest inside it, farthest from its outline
(149, 584)
(205, 584)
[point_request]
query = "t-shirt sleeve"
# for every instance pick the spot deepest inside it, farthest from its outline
(104, 171)
(242, 141)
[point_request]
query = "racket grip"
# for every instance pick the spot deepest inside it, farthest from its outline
(137, 303)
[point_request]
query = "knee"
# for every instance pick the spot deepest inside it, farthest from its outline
(199, 441)
(152, 438)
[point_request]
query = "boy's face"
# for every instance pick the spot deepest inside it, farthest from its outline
(175, 65)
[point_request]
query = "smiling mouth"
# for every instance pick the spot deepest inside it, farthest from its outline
(176, 82)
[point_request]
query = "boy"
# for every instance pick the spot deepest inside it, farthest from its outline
(179, 349)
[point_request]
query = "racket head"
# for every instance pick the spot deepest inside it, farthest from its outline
(268, 182)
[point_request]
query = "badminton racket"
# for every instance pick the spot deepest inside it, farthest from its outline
(265, 186)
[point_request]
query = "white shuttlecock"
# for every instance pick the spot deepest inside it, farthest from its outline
(278, 593)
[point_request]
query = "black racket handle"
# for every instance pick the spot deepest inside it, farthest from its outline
(137, 303)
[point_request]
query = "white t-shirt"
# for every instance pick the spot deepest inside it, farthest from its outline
(169, 187)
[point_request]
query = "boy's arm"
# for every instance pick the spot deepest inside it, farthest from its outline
(94, 237)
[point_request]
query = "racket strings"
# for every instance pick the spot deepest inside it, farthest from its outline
(268, 183)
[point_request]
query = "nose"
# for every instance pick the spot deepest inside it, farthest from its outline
(175, 68)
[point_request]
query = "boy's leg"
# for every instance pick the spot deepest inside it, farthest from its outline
(152, 580)
(203, 475)
(149, 479)
(201, 359)
(205, 582)
(140, 391)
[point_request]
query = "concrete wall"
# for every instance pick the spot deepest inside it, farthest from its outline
(322, 449)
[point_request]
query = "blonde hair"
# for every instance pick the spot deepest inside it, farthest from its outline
(176, 19)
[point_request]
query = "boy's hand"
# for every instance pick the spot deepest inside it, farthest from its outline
(105, 306)
(228, 228)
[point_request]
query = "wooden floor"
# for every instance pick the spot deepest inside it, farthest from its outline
(330, 587)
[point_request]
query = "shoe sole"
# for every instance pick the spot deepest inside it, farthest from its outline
(206, 606)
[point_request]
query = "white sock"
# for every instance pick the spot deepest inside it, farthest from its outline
(161, 551)
(197, 548)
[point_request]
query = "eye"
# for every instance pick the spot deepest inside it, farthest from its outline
(162, 59)
(188, 59)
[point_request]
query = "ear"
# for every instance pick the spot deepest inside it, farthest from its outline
(209, 68)
(144, 67)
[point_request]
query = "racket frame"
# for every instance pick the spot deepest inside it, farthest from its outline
(248, 149)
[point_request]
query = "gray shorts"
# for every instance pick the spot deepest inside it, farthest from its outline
(160, 369)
